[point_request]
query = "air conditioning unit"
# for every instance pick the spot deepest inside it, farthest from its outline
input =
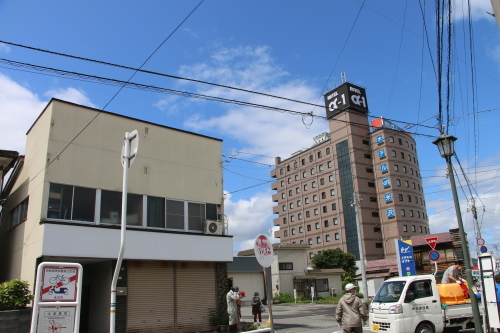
(213, 227)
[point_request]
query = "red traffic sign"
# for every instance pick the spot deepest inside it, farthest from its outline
(432, 241)
(434, 255)
(263, 249)
(480, 241)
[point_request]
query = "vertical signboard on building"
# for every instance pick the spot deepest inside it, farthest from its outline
(404, 255)
(345, 96)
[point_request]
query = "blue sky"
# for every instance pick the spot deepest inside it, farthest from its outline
(295, 49)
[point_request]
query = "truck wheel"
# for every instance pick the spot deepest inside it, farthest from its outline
(424, 328)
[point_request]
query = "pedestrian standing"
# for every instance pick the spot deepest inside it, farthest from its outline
(231, 298)
(238, 310)
(452, 273)
(351, 312)
(256, 308)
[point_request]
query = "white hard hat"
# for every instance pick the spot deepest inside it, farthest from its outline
(349, 287)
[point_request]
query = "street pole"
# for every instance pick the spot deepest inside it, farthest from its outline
(361, 250)
(465, 249)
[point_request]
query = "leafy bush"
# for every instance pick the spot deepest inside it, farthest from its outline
(14, 295)
(284, 298)
(328, 300)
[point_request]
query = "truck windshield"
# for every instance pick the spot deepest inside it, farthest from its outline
(390, 292)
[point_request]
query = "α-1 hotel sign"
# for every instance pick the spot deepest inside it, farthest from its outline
(345, 96)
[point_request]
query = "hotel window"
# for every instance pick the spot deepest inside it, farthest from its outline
(303, 161)
(316, 211)
(308, 227)
(299, 216)
(301, 230)
(305, 187)
(301, 242)
(306, 200)
(400, 141)
(310, 241)
(283, 195)
(421, 230)
(322, 181)
(335, 221)
(405, 228)
(407, 144)
(412, 146)
(404, 169)
(398, 182)
(285, 233)
(334, 206)
(330, 178)
(368, 156)
(283, 208)
(370, 184)
(311, 171)
(318, 240)
(299, 203)
(419, 187)
(416, 199)
(413, 185)
(290, 193)
(411, 213)
(291, 205)
(391, 139)
(319, 154)
(324, 209)
(296, 177)
(407, 184)
(282, 183)
(369, 170)
(403, 156)
(379, 245)
(304, 174)
(394, 154)
(377, 229)
(311, 158)
(418, 213)
(315, 198)
(396, 167)
(323, 195)
(297, 190)
(311, 255)
(373, 199)
(284, 220)
(400, 197)
(287, 168)
(337, 236)
(327, 151)
(293, 231)
(409, 198)
(281, 171)
(313, 184)
(321, 168)
(332, 192)
(413, 228)
(316, 225)
(411, 171)
(329, 164)
(325, 223)
(292, 218)
(365, 142)
(403, 212)
(409, 158)
(375, 214)
(308, 214)
(295, 165)
(327, 238)
(289, 180)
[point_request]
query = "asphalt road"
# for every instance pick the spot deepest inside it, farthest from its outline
(296, 318)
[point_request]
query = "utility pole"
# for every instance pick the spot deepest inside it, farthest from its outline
(361, 250)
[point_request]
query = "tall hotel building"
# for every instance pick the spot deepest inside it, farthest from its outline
(376, 163)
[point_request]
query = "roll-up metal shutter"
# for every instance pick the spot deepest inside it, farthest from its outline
(196, 294)
(150, 296)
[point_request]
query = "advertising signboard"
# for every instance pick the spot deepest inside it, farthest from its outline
(345, 96)
(404, 254)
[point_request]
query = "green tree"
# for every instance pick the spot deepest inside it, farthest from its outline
(337, 259)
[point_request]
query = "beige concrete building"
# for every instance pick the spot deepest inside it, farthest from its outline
(375, 163)
(64, 205)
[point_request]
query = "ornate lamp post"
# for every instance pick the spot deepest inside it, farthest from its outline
(446, 148)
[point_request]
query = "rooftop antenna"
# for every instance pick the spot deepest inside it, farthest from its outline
(343, 77)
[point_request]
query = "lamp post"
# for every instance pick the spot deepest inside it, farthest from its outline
(446, 148)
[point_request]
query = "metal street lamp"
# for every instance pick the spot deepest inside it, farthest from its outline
(446, 148)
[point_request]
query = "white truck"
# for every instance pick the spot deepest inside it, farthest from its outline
(412, 304)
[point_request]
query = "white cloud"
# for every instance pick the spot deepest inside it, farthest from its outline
(4, 48)
(19, 108)
(478, 9)
(249, 218)
(70, 95)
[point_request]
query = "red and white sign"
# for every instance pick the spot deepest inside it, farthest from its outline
(263, 249)
(432, 241)
(59, 284)
(480, 241)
